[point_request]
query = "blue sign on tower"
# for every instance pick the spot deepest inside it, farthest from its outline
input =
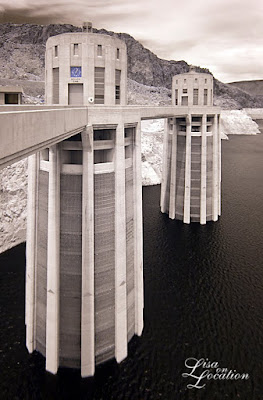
(75, 72)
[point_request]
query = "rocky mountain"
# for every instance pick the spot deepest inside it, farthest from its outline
(254, 88)
(22, 56)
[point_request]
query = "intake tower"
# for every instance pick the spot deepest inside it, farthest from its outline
(191, 177)
(84, 285)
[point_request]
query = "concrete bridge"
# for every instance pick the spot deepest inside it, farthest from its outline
(27, 129)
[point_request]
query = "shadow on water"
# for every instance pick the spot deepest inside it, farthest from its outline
(203, 298)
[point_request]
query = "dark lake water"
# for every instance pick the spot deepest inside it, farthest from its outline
(203, 299)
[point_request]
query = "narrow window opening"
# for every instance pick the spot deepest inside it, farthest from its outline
(195, 97)
(99, 85)
(56, 51)
(76, 49)
(55, 86)
(205, 97)
(118, 54)
(117, 86)
(99, 50)
(176, 97)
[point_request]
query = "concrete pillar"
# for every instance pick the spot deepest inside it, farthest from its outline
(31, 252)
(53, 262)
(215, 192)
(219, 165)
(87, 293)
(165, 186)
(203, 172)
(138, 233)
(173, 173)
(120, 248)
(187, 183)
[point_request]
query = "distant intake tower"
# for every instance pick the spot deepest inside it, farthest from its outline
(84, 286)
(191, 178)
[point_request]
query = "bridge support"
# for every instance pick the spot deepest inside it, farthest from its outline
(88, 269)
(192, 168)
(87, 293)
(138, 232)
(121, 341)
(31, 253)
(53, 262)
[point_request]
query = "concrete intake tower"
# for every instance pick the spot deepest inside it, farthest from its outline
(191, 176)
(84, 279)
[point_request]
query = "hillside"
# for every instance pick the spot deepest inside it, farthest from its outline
(254, 88)
(22, 57)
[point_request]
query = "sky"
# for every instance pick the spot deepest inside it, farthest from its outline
(225, 36)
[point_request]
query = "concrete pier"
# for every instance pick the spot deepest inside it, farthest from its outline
(191, 179)
(85, 259)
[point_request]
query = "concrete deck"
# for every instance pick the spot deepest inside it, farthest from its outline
(25, 130)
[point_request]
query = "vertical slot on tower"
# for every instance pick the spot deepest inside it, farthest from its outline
(55, 88)
(117, 86)
(99, 85)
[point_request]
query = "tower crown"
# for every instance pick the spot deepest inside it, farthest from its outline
(86, 68)
(192, 89)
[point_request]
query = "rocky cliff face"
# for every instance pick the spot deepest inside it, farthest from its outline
(22, 49)
(13, 200)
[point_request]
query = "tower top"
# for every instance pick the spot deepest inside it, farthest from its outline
(87, 27)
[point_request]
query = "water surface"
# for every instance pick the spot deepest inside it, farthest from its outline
(203, 298)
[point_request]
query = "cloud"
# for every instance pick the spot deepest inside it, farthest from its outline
(223, 35)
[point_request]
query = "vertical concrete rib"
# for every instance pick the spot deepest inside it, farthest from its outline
(120, 248)
(173, 173)
(31, 252)
(138, 233)
(219, 165)
(165, 168)
(203, 172)
(53, 262)
(215, 169)
(187, 184)
(87, 294)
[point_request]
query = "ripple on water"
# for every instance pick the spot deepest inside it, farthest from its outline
(203, 298)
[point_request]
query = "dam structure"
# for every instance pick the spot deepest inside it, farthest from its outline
(84, 251)
(84, 297)
(191, 175)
